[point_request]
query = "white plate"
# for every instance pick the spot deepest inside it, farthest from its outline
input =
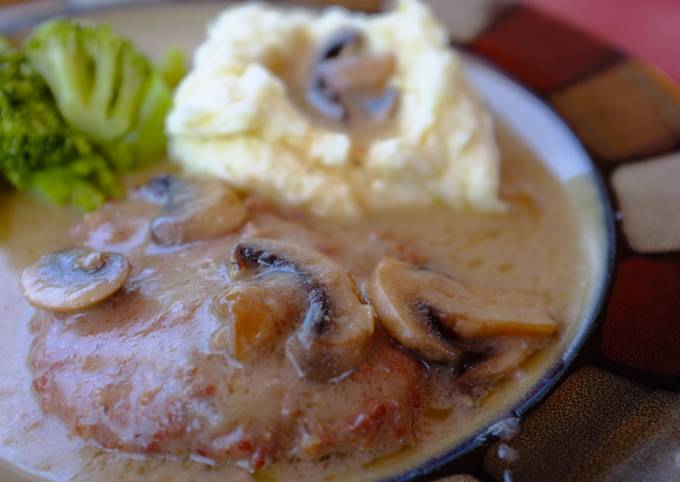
(155, 28)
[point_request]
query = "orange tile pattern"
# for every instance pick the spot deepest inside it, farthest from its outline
(621, 113)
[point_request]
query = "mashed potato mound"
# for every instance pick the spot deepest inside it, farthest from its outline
(233, 116)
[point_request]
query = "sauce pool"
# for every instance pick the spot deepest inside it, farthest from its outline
(535, 245)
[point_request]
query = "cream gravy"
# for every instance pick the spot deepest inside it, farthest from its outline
(535, 245)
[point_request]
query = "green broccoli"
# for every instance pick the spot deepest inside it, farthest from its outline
(173, 66)
(104, 88)
(5, 44)
(38, 151)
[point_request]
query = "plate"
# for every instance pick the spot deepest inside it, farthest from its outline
(155, 27)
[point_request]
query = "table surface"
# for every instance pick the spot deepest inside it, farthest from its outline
(648, 29)
(617, 415)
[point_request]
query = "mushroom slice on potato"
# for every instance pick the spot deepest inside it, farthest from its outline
(73, 279)
(430, 313)
(340, 42)
(196, 209)
(346, 81)
(358, 72)
(336, 328)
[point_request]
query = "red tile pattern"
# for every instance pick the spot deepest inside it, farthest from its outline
(642, 327)
(541, 51)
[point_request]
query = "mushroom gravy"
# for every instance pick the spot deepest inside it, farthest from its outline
(535, 246)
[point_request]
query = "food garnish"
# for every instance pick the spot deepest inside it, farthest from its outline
(346, 82)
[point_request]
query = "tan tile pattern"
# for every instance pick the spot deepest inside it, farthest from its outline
(648, 194)
(621, 113)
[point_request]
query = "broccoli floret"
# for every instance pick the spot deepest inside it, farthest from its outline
(104, 88)
(173, 66)
(38, 151)
(5, 44)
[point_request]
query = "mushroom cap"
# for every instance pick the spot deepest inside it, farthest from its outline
(194, 209)
(434, 314)
(335, 332)
(73, 279)
(398, 303)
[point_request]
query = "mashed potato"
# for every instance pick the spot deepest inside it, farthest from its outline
(234, 117)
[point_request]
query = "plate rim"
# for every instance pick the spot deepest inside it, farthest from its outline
(590, 319)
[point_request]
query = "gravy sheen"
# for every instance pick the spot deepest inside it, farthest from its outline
(535, 245)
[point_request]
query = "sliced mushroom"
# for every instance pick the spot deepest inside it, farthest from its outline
(318, 93)
(345, 81)
(336, 328)
(157, 189)
(380, 108)
(73, 279)
(434, 314)
(351, 72)
(195, 209)
(325, 102)
(502, 357)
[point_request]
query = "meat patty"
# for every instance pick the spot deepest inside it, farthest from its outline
(149, 369)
